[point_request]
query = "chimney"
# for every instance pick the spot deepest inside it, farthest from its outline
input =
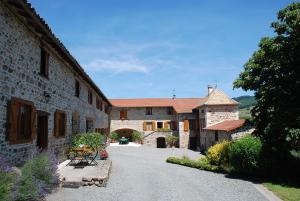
(209, 89)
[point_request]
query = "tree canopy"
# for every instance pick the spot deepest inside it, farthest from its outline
(273, 73)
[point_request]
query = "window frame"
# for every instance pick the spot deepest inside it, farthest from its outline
(149, 111)
(44, 63)
(77, 88)
(90, 97)
(56, 124)
(13, 127)
(123, 114)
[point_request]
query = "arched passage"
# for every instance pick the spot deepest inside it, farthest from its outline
(125, 132)
(161, 142)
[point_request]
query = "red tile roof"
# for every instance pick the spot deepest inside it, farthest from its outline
(227, 125)
(181, 105)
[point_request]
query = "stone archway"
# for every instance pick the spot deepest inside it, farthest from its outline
(125, 132)
(161, 142)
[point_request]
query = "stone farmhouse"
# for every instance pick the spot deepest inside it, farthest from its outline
(45, 95)
(198, 122)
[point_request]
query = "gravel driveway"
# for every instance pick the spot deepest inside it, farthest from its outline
(141, 174)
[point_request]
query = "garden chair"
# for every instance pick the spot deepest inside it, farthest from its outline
(93, 158)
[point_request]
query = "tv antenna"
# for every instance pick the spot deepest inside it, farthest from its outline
(174, 94)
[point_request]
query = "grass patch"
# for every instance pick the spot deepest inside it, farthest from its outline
(285, 191)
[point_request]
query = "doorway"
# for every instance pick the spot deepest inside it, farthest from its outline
(42, 130)
(161, 142)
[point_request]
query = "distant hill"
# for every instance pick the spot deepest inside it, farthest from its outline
(245, 101)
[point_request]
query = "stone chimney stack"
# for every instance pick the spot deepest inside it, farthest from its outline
(209, 89)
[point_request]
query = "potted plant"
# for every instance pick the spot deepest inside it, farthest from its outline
(103, 154)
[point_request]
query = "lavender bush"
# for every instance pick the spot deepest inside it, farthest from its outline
(7, 180)
(39, 176)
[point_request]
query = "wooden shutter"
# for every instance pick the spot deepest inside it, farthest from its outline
(33, 118)
(56, 123)
(12, 124)
(144, 126)
(186, 125)
(153, 125)
(165, 124)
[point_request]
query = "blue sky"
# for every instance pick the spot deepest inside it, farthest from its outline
(135, 48)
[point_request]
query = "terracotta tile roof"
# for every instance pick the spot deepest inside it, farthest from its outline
(227, 125)
(181, 105)
(218, 97)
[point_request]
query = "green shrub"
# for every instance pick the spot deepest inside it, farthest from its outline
(136, 136)
(218, 154)
(244, 154)
(172, 140)
(114, 136)
(202, 163)
(92, 140)
(7, 180)
(38, 177)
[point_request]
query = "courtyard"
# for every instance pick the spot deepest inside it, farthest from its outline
(141, 173)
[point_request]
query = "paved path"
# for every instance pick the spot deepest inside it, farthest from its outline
(141, 174)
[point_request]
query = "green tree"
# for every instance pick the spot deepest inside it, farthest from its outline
(273, 73)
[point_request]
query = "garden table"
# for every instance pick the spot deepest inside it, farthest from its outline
(123, 141)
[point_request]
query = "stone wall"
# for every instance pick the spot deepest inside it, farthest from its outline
(219, 113)
(19, 77)
(137, 116)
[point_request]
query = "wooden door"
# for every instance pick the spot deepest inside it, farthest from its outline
(42, 131)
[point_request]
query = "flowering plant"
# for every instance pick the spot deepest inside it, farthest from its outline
(103, 154)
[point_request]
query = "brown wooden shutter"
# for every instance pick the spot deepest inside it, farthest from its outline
(12, 125)
(33, 118)
(153, 125)
(186, 125)
(65, 124)
(56, 124)
(144, 126)
(165, 124)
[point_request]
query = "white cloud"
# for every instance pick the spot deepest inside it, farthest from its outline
(118, 65)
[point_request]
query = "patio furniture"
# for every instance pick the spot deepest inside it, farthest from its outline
(123, 140)
(79, 156)
(93, 157)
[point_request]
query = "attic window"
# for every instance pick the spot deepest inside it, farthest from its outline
(44, 65)
(149, 111)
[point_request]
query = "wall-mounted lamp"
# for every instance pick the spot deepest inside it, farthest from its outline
(47, 96)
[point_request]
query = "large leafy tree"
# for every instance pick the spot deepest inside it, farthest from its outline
(273, 72)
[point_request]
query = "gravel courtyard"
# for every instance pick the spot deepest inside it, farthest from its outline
(141, 174)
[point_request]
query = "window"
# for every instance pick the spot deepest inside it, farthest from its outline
(98, 104)
(216, 136)
(123, 114)
(192, 124)
(106, 108)
(159, 125)
(148, 110)
(60, 123)
(77, 88)
(21, 121)
(170, 111)
(89, 125)
(90, 97)
(44, 65)
(167, 125)
(201, 124)
(173, 125)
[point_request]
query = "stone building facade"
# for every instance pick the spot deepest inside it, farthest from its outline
(45, 96)
(188, 120)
